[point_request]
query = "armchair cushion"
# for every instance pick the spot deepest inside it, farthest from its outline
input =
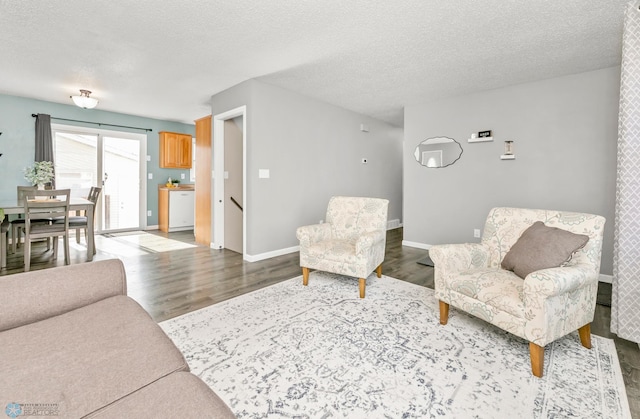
(542, 247)
(496, 288)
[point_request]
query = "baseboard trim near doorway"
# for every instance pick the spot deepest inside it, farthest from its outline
(269, 255)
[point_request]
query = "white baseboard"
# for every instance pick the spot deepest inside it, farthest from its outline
(395, 223)
(155, 227)
(269, 255)
(416, 244)
(608, 279)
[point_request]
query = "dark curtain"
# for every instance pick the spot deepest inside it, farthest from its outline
(44, 140)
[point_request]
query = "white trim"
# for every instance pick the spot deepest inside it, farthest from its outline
(607, 279)
(416, 244)
(269, 255)
(155, 227)
(143, 139)
(393, 224)
(218, 178)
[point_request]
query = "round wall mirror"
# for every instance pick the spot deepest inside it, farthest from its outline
(438, 152)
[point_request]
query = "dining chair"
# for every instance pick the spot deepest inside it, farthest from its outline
(38, 213)
(17, 225)
(4, 232)
(78, 222)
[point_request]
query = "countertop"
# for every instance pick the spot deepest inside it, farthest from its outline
(185, 187)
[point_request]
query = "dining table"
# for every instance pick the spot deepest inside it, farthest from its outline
(75, 204)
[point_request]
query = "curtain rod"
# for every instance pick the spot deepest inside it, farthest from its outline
(96, 123)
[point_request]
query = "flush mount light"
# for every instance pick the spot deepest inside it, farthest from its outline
(84, 101)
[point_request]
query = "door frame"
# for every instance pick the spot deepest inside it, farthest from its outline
(99, 132)
(218, 203)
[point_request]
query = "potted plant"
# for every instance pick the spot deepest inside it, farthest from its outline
(40, 173)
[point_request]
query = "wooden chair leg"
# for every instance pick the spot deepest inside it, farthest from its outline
(585, 335)
(305, 276)
(362, 282)
(27, 255)
(55, 248)
(14, 235)
(444, 312)
(67, 259)
(3, 249)
(78, 235)
(537, 359)
(93, 239)
(379, 271)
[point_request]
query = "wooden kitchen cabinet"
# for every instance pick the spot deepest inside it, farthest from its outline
(203, 181)
(175, 150)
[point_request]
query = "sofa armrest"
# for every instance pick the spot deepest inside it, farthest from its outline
(459, 257)
(33, 296)
(313, 233)
(367, 240)
(556, 281)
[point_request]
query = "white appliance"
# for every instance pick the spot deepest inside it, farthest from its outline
(181, 210)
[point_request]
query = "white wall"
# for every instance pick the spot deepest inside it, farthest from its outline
(564, 132)
(313, 151)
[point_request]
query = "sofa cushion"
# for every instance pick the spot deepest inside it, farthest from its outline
(178, 395)
(86, 358)
(67, 288)
(542, 247)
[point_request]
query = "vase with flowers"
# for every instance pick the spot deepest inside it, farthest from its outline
(40, 173)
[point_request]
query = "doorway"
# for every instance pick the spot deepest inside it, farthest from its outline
(86, 157)
(229, 184)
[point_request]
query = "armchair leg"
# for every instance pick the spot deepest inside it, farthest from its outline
(363, 283)
(305, 276)
(537, 359)
(444, 312)
(585, 335)
(379, 271)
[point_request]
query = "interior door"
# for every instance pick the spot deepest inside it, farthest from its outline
(112, 160)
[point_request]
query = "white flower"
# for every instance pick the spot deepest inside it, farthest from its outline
(40, 173)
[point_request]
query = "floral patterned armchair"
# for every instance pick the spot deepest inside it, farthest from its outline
(351, 242)
(544, 306)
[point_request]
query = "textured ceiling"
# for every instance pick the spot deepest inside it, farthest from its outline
(165, 59)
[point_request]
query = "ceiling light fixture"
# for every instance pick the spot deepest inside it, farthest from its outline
(84, 101)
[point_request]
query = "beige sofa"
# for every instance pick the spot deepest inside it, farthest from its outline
(73, 344)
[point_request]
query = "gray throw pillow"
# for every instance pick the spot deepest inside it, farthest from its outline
(541, 247)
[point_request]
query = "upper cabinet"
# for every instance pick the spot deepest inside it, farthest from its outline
(175, 150)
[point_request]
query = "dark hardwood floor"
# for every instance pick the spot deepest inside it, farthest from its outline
(175, 276)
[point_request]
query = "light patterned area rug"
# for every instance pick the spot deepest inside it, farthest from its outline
(320, 352)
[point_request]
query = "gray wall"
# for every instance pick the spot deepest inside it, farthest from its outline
(564, 132)
(17, 142)
(313, 151)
